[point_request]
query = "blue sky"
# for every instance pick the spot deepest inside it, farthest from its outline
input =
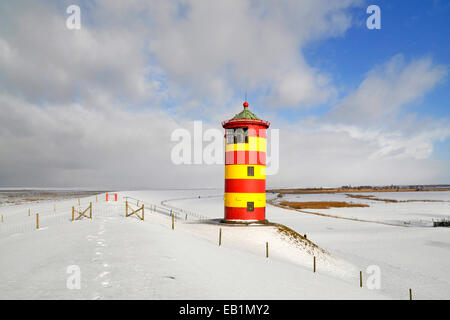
(412, 28)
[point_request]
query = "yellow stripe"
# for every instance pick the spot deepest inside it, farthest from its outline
(254, 144)
(239, 200)
(239, 171)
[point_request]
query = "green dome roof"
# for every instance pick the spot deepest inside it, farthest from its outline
(246, 114)
(245, 117)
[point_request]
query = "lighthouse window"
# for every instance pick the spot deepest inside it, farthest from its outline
(250, 206)
(230, 136)
(250, 171)
(238, 135)
(241, 135)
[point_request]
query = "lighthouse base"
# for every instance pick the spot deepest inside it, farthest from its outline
(244, 222)
(242, 214)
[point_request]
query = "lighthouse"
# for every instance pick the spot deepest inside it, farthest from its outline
(245, 167)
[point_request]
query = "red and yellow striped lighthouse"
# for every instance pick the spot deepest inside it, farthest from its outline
(245, 167)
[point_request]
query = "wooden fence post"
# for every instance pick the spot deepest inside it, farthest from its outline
(220, 237)
(54, 208)
(314, 264)
(90, 210)
(2, 218)
(29, 212)
(142, 212)
(360, 279)
(410, 294)
(96, 198)
(78, 201)
(126, 208)
(37, 221)
(73, 213)
(267, 249)
(173, 221)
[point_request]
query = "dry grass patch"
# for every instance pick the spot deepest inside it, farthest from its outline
(322, 204)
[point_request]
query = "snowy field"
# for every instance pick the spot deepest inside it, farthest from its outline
(126, 258)
(409, 210)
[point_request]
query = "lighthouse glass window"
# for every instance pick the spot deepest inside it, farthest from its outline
(237, 135)
(230, 136)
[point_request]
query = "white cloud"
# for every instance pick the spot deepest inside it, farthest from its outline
(245, 44)
(65, 97)
(73, 145)
(376, 113)
(396, 144)
(44, 61)
(312, 155)
(192, 49)
(387, 89)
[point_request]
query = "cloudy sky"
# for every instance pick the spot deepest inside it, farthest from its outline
(96, 107)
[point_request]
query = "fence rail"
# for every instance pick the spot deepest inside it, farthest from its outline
(188, 212)
(168, 210)
(53, 213)
(18, 222)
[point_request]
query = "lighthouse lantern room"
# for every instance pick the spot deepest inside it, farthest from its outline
(245, 167)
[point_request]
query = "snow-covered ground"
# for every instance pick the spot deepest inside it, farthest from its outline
(128, 258)
(408, 256)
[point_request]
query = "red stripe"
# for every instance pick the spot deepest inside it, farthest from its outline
(248, 124)
(245, 157)
(242, 214)
(253, 130)
(256, 131)
(245, 185)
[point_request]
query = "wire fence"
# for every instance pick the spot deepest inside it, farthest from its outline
(52, 214)
(168, 210)
(188, 213)
(24, 218)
